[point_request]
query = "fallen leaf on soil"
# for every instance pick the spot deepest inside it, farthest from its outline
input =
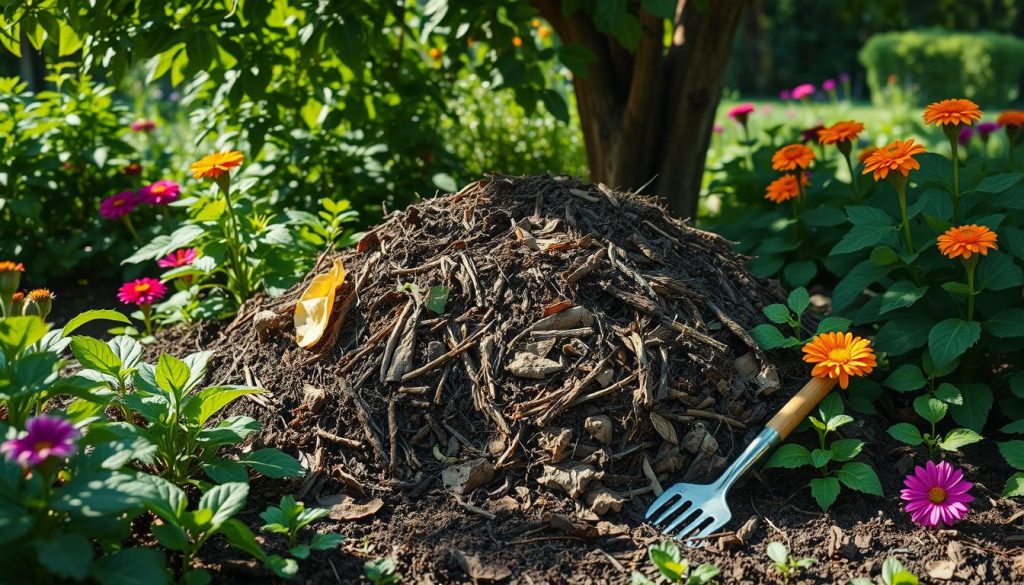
(599, 427)
(556, 442)
(602, 500)
(572, 480)
(572, 318)
(567, 526)
(466, 477)
(316, 304)
(528, 365)
(348, 509)
(478, 570)
(941, 570)
(664, 428)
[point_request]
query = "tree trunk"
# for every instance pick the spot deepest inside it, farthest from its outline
(647, 116)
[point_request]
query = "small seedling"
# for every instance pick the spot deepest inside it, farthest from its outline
(674, 568)
(291, 517)
(789, 317)
(790, 567)
(382, 571)
(893, 573)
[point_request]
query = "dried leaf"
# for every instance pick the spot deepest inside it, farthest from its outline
(348, 509)
(313, 311)
(479, 570)
(664, 428)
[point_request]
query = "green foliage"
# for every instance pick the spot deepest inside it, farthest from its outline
(289, 518)
(982, 66)
(673, 568)
(852, 474)
(893, 573)
(790, 567)
(382, 571)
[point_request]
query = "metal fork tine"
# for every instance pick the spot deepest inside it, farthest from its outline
(659, 503)
(708, 530)
(691, 527)
(671, 511)
(687, 516)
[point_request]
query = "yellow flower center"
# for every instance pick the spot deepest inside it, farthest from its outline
(42, 445)
(839, 355)
(159, 189)
(119, 202)
(936, 495)
(141, 288)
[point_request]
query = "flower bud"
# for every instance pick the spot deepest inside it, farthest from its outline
(38, 302)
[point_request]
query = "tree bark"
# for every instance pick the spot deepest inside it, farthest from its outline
(647, 116)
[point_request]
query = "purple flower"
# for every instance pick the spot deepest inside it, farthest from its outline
(986, 128)
(45, 437)
(160, 193)
(844, 77)
(120, 205)
(965, 135)
(810, 134)
(804, 90)
(785, 96)
(936, 495)
(829, 85)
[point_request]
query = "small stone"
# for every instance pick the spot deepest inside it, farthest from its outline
(532, 366)
(556, 442)
(466, 477)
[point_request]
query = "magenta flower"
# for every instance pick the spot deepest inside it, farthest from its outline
(785, 95)
(178, 258)
(45, 437)
(810, 134)
(741, 112)
(160, 192)
(804, 90)
(965, 135)
(986, 128)
(936, 495)
(142, 291)
(829, 85)
(120, 205)
(143, 125)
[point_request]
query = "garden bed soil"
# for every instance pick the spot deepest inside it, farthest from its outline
(591, 351)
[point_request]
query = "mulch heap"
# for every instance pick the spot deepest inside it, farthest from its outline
(590, 350)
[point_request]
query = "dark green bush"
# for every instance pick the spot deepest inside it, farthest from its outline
(985, 67)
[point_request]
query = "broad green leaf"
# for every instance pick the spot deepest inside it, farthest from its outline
(859, 476)
(949, 339)
(837, 421)
(224, 500)
(949, 394)
(789, 456)
(326, 541)
(906, 378)
(823, 216)
(903, 333)
(845, 449)
(865, 215)
(273, 463)
(778, 553)
(226, 471)
(859, 278)
(171, 373)
(977, 402)
(998, 183)
(19, 333)
(998, 272)
(437, 299)
(170, 536)
(1006, 323)
(66, 555)
(906, 433)
(777, 313)
(768, 337)
(199, 407)
(239, 535)
(93, 354)
(800, 272)
(867, 236)
(833, 324)
(902, 294)
(1013, 452)
(884, 256)
(131, 566)
(1014, 486)
(825, 491)
(820, 457)
(957, 438)
(798, 300)
(930, 409)
(89, 316)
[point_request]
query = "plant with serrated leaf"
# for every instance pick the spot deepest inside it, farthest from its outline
(788, 566)
(855, 475)
(289, 518)
(893, 573)
(180, 424)
(673, 568)
(789, 317)
(382, 571)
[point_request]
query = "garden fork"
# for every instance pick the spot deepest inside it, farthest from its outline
(703, 508)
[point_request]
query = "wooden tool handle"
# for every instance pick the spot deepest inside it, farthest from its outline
(800, 405)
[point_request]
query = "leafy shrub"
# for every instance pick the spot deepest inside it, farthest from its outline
(983, 66)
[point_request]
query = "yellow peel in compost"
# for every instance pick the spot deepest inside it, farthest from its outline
(313, 311)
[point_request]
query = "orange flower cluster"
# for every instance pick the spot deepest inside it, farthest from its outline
(897, 156)
(846, 131)
(839, 356)
(8, 266)
(784, 188)
(1011, 118)
(792, 157)
(953, 112)
(967, 240)
(214, 165)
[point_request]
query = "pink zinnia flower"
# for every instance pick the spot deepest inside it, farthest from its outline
(802, 91)
(45, 437)
(177, 258)
(160, 192)
(142, 291)
(120, 205)
(829, 85)
(936, 495)
(143, 125)
(743, 110)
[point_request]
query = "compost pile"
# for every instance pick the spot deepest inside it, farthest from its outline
(526, 339)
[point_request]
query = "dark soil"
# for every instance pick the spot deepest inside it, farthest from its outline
(660, 352)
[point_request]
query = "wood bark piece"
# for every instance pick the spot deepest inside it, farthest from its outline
(534, 367)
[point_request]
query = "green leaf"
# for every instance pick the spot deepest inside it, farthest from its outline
(957, 438)
(845, 449)
(902, 294)
(555, 103)
(1013, 452)
(89, 316)
(906, 378)
(823, 216)
(224, 500)
(660, 8)
(998, 183)
(199, 407)
(273, 463)
(777, 313)
(998, 272)
(170, 536)
(977, 402)
(240, 537)
(949, 339)
(171, 373)
(1016, 427)
(66, 555)
(789, 456)
(861, 477)
(212, 210)
(930, 409)
(226, 471)
(1006, 323)
(326, 541)
(903, 333)
(1014, 486)
(837, 421)
(859, 278)
(19, 333)
(93, 354)
(131, 566)
(437, 299)
(778, 553)
(860, 237)
(833, 324)
(866, 215)
(820, 457)
(825, 491)
(798, 300)
(884, 256)
(949, 394)
(906, 433)
(956, 288)
(768, 337)
(800, 272)
(666, 556)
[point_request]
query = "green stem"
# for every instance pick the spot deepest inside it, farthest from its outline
(235, 244)
(147, 311)
(853, 176)
(969, 265)
(954, 144)
(901, 193)
(131, 228)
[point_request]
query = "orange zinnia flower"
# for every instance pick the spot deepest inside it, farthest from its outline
(865, 153)
(792, 157)
(517, 41)
(783, 189)
(436, 54)
(839, 355)
(840, 132)
(214, 165)
(952, 112)
(898, 156)
(1011, 118)
(8, 266)
(966, 240)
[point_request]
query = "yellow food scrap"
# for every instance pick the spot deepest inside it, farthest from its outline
(314, 308)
